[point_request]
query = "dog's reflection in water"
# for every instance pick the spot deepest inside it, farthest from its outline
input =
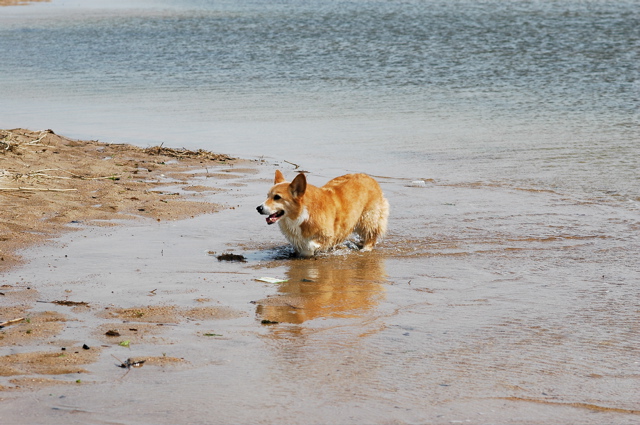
(329, 286)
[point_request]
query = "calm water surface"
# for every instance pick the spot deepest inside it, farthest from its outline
(540, 90)
(508, 288)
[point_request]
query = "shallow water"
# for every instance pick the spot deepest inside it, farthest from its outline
(507, 288)
(482, 310)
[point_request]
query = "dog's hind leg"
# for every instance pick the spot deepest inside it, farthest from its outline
(373, 224)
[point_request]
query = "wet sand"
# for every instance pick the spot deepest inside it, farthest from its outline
(485, 303)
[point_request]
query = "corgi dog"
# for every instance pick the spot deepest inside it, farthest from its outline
(315, 219)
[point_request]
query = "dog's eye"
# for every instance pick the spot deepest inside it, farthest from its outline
(276, 197)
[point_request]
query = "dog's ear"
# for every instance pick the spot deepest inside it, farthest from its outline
(298, 186)
(279, 177)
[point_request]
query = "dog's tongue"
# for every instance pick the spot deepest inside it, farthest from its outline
(272, 218)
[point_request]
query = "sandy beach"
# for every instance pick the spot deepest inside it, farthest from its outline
(51, 185)
(49, 181)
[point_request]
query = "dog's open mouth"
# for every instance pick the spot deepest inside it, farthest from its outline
(275, 217)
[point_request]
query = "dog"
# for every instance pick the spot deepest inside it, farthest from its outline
(316, 219)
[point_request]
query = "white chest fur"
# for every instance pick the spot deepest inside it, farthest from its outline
(292, 231)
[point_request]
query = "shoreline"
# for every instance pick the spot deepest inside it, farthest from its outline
(49, 182)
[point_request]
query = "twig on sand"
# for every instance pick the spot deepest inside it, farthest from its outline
(295, 165)
(66, 302)
(41, 173)
(9, 322)
(34, 189)
(39, 139)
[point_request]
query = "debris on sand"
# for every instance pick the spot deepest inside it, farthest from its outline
(186, 153)
(232, 257)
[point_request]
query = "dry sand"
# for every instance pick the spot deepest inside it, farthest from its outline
(48, 181)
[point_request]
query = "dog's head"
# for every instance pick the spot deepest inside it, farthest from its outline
(284, 198)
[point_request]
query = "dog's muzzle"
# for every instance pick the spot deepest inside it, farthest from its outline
(273, 217)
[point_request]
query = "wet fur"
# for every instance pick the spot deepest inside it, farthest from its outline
(315, 219)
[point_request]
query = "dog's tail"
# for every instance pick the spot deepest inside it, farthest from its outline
(373, 223)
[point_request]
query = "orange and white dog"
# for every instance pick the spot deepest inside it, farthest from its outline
(317, 219)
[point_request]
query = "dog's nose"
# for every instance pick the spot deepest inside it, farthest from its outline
(260, 209)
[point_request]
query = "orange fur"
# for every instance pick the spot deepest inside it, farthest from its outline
(317, 219)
